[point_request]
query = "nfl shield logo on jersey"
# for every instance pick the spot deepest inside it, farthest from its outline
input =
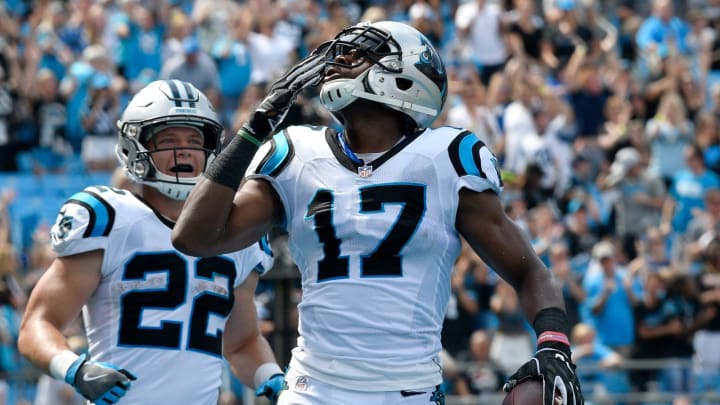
(365, 171)
(301, 383)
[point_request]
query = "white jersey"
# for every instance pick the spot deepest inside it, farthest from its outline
(156, 312)
(375, 245)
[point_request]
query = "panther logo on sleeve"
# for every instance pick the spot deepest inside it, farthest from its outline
(63, 227)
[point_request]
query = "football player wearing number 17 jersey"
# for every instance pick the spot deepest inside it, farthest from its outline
(157, 321)
(375, 216)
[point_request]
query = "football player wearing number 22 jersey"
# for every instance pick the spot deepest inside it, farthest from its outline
(375, 215)
(157, 321)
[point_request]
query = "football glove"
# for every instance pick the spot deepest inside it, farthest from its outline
(271, 388)
(554, 368)
(100, 383)
(275, 106)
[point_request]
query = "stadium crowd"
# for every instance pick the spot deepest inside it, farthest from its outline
(605, 117)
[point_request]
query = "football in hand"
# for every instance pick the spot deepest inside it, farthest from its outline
(529, 392)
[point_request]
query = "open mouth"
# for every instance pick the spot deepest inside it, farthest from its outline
(182, 168)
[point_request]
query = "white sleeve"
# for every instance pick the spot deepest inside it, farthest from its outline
(82, 225)
(475, 165)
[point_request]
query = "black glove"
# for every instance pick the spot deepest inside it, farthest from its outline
(100, 383)
(273, 109)
(551, 365)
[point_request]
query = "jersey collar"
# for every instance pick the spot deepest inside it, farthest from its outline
(352, 162)
(170, 224)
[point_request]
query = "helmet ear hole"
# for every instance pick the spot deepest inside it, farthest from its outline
(142, 168)
(403, 83)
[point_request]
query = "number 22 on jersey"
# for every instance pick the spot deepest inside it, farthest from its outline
(171, 297)
(385, 260)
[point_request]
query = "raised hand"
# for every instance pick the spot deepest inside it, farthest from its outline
(100, 383)
(273, 109)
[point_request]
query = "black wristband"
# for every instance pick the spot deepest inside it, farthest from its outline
(551, 328)
(228, 169)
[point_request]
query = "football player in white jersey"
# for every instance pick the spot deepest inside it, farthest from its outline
(375, 215)
(157, 321)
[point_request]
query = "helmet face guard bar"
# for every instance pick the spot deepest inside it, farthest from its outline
(145, 130)
(369, 42)
(143, 156)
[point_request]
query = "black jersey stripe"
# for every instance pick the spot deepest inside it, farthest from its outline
(110, 212)
(91, 219)
(101, 213)
(476, 157)
(454, 153)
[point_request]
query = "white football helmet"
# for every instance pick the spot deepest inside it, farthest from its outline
(407, 73)
(159, 105)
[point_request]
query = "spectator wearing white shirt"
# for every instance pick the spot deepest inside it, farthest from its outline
(471, 112)
(480, 23)
(271, 44)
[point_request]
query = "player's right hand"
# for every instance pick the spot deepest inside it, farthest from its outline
(556, 371)
(271, 388)
(100, 383)
(273, 109)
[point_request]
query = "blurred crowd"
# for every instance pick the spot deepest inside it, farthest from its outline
(604, 116)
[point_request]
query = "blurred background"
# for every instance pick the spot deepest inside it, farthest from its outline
(604, 115)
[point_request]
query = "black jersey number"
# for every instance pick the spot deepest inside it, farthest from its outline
(170, 296)
(385, 260)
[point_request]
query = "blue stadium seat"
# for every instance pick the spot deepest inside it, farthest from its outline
(25, 162)
(29, 212)
(74, 165)
(22, 183)
(63, 185)
(102, 178)
(39, 197)
(24, 217)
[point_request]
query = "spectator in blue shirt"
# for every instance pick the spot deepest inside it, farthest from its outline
(51, 57)
(687, 190)
(76, 85)
(143, 45)
(232, 56)
(600, 362)
(663, 32)
(611, 294)
(69, 25)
